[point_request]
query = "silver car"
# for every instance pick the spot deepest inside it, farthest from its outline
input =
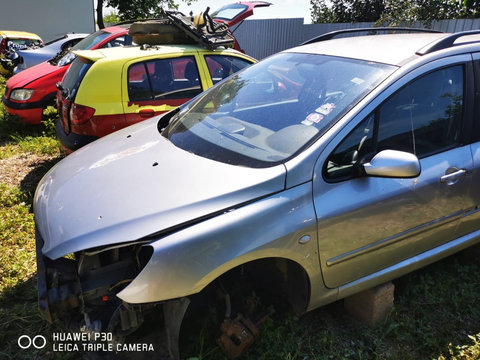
(317, 173)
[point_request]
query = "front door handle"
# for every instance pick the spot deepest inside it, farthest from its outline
(453, 177)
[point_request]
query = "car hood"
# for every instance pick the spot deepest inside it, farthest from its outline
(31, 74)
(46, 53)
(134, 183)
(34, 57)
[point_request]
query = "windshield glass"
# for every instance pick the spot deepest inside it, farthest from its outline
(229, 12)
(267, 113)
(85, 44)
(22, 44)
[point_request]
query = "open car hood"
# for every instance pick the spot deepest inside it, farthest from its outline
(134, 183)
(234, 13)
(22, 79)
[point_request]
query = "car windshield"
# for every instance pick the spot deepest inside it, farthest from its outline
(271, 111)
(22, 44)
(85, 44)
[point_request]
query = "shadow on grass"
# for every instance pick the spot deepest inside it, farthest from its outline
(29, 183)
(11, 127)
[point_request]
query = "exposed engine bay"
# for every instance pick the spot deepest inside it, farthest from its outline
(81, 291)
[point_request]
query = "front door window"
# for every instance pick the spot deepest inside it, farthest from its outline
(423, 118)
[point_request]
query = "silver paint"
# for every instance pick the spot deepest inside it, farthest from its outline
(185, 262)
(392, 163)
(109, 193)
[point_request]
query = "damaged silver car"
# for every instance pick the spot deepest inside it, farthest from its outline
(317, 173)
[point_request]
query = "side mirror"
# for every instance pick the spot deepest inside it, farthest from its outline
(393, 164)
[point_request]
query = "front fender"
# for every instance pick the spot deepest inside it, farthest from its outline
(185, 262)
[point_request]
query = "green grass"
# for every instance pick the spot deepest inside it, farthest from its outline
(436, 313)
(18, 295)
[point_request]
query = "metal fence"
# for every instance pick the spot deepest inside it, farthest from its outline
(261, 38)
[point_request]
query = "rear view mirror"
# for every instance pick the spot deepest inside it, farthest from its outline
(393, 164)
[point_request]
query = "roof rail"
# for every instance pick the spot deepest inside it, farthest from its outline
(445, 42)
(371, 30)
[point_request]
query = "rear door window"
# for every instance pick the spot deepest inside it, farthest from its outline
(176, 78)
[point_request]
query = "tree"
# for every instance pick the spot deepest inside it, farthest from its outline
(135, 9)
(346, 10)
(321, 13)
(401, 11)
(473, 7)
(393, 12)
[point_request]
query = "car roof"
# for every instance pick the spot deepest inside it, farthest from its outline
(392, 49)
(115, 29)
(19, 34)
(133, 52)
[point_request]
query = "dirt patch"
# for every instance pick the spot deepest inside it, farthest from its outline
(25, 170)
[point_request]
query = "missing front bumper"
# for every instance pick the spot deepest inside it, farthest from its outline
(65, 295)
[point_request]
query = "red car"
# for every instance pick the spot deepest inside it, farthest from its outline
(32, 90)
(234, 13)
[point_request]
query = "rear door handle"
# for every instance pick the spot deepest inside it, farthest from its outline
(453, 177)
(146, 113)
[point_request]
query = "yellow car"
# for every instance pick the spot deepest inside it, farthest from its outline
(105, 90)
(15, 40)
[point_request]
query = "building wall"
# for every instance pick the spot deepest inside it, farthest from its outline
(47, 18)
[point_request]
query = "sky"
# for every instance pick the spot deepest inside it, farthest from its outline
(278, 9)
